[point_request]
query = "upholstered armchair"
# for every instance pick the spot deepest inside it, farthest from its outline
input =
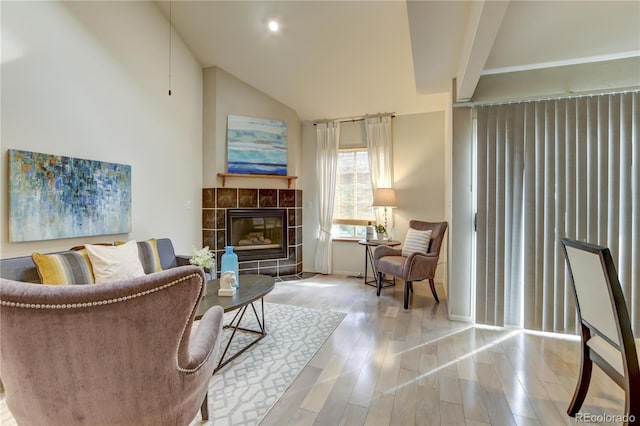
(606, 334)
(117, 353)
(418, 265)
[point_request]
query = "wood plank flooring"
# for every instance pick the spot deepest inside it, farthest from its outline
(387, 366)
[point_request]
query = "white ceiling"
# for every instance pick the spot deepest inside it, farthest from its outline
(349, 58)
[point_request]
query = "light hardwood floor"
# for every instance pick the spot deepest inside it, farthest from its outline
(387, 366)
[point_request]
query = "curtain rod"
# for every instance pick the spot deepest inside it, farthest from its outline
(353, 119)
(573, 95)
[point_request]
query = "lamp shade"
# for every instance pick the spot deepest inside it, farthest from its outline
(384, 197)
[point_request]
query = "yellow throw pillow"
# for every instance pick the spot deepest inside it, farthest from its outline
(71, 267)
(115, 263)
(148, 254)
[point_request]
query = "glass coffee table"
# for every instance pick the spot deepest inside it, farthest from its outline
(252, 288)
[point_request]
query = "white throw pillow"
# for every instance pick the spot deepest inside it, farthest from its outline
(114, 263)
(416, 241)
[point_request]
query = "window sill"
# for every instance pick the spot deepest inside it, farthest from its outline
(346, 240)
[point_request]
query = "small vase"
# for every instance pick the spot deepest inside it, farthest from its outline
(211, 271)
(229, 262)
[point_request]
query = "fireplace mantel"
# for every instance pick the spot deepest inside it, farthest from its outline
(224, 176)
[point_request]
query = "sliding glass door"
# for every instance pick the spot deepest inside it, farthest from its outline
(547, 170)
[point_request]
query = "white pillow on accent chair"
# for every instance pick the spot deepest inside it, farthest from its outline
(416, 241)
(114, 263)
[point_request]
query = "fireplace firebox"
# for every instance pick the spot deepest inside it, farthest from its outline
(257, 234)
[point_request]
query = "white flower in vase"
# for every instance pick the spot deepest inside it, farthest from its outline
(204, 258)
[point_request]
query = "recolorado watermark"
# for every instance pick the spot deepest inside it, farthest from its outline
(604, 418)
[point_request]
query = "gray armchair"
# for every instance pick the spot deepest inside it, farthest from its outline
(417, 266)
(114, 353)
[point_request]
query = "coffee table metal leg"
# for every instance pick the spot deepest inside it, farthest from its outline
(235, 325)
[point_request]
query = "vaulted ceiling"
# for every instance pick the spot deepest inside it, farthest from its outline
(348, 58)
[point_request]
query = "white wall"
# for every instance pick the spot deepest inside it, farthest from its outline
(461, 233)
(419, 180)
(226, 95)
(567, 80)
(90, 80)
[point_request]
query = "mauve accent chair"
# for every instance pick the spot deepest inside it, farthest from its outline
(417, 266)
(606, 334)
(119, 353)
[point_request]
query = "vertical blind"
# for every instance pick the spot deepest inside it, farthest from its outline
(547, 170)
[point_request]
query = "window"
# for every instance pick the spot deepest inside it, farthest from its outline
(352, 210)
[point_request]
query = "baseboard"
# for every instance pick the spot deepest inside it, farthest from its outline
(461, 318)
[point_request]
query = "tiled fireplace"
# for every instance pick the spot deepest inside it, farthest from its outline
(266, 223)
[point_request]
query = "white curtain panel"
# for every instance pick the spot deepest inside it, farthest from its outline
(327, 139)
(547, 170)
(380, 152)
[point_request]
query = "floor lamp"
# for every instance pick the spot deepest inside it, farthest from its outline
(385, 197)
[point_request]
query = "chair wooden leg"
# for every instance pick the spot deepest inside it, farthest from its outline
(204, 408)
(379, 282)
(432, 284)
(407, 286)
(411, 286)
(632, 404)
(586, 365)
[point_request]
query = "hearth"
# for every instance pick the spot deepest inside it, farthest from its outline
(257, 234)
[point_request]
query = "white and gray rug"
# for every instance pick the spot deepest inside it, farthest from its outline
(244, 391)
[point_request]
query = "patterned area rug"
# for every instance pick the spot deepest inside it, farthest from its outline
(244, 391)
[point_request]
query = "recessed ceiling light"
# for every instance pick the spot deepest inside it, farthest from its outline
(273, 25)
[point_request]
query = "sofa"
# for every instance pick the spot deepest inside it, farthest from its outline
(24, 269)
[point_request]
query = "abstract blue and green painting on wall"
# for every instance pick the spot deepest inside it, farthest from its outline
(52, 197)
(256, 146)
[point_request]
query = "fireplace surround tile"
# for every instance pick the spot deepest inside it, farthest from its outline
(209, 219)
(287, 269)
(227, 198)
(208, 238)
(248, 198)
(272, 270)
(220, 240)
(248, 265)
(268, 198)
(208, 198)
(220, 218)
(287, 198)
(216, 204)
(248, 271)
